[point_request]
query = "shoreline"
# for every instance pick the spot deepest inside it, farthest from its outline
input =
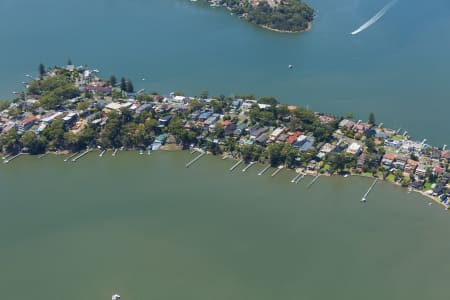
(177, 148)
(308, 28)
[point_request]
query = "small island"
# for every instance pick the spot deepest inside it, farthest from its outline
(71, 109)
(290, 16)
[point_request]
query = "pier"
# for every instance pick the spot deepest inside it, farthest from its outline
(43, 155)
(313, 181)
(296, 177)
(264, 170)
(81, 155)
(67, 159)
(195, 159)
(248, 166)
(114, 152)
(236, 164)
(12, 158)
(364, 198)
(300, 178)
(278, 170)
(6, 156)
(102, 153)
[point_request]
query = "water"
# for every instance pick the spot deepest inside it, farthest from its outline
(148, 228)
(397, 68)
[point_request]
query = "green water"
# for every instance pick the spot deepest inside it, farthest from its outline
(398, 68)
(148, 228)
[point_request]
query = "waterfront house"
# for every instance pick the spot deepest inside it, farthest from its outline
(326, 119)
(421, 170)
(396, 144)
(347, 124)
(248, 104)
(445, 155)
(256, 133)
(361, 161)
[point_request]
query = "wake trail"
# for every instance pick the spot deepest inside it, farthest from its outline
(375, 18)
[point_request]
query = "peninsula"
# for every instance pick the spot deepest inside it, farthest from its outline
(291, 16)
(70, 109)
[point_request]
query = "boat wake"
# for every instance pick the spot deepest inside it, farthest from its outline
(375, 18)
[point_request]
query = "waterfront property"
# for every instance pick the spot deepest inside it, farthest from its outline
(263, 130)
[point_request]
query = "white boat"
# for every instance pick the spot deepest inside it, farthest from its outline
(115, 297)
(141, 152)
(290, 66)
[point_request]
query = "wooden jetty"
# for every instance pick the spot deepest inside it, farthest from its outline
(6, 156)
(43, 155)
(264, 170)
(300, 178)
(296, 177)
(313, 181)
(12, 158)
(248, 166)
(364, 198)
(236, 164)
(81, 155)
(73, 154)
(115, 152)
(195, 159)
(278, 170)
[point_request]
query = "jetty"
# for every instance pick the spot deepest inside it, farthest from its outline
(102, 153)
(313, 181)
(74, 154)
(114, 152)
(6, 156)
(300, 178)
(296, 177)
(278, 170)
(264, 170)
(364, 198)
(81, 155)
(236, 164)
(43, 155)
(195, 159)
(12, 158)
(248, 166)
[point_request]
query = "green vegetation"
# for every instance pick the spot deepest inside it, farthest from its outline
(288, 15)
(54, 90)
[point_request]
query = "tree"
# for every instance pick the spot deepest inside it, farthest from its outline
(371, 118)
(34, 144)
(129, 88)
(11, 142)
(123, 84)
(41, 70)
(112, 80)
